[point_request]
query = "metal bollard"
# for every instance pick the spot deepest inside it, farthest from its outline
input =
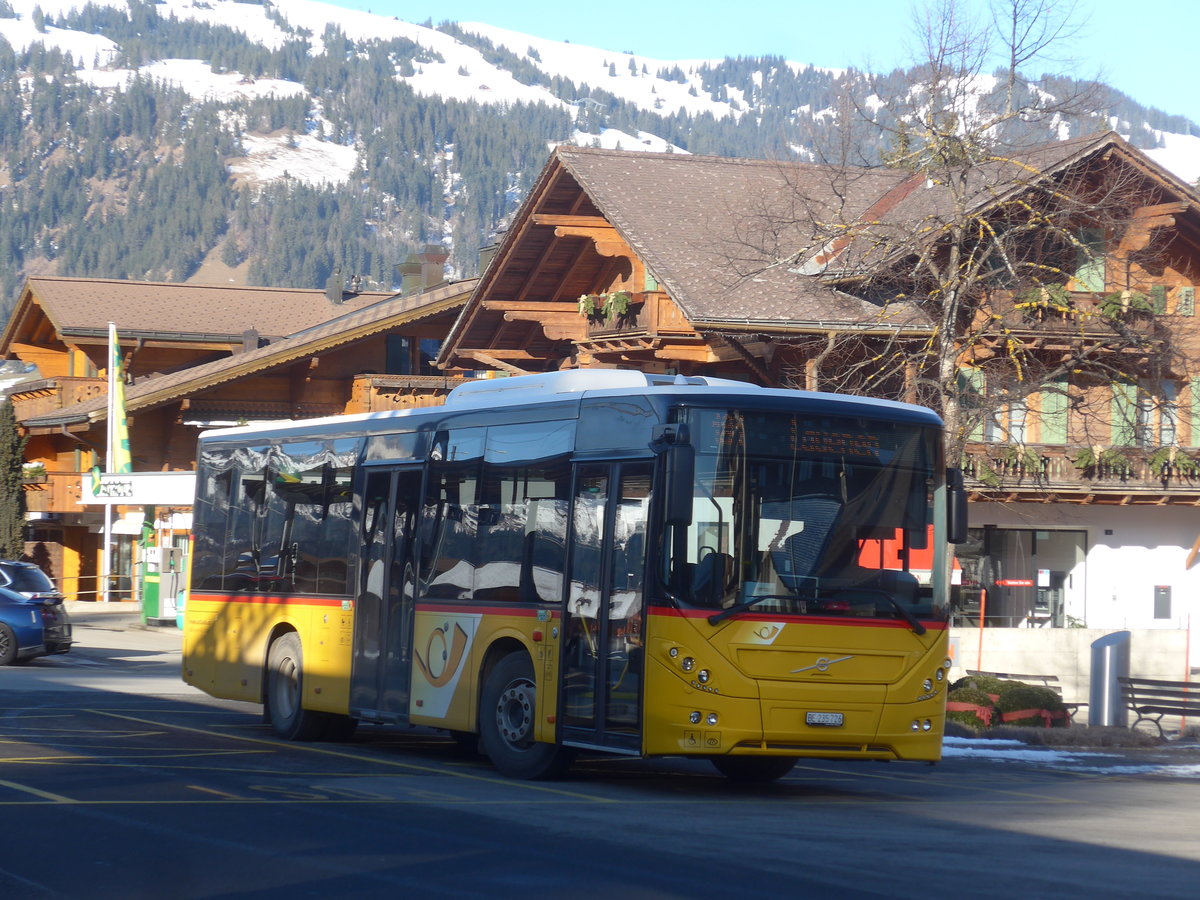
(1110, 661)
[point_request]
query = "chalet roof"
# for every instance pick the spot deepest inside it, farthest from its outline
(738, 243)
(719, 234)
(83, 307)
(391, 312)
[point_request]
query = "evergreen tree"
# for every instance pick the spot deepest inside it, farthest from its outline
(12, 494)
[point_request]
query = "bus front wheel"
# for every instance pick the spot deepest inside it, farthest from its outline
(285, 688)
(507, 709)
(753, 769)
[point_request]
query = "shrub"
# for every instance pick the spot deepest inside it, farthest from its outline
(1045, 706)
(984, 717)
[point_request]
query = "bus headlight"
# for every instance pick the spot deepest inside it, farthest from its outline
(694, 718)
(941, 673)
(687, 664)
(928, 685)
(926, 725)
(702, 676)
(711, 720)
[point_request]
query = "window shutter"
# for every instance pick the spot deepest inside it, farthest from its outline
(1185, 303)
(1158, 299)
(1195, 412)
(970, 392)
(1054, 413)
(1124, 414)
(1089, 262)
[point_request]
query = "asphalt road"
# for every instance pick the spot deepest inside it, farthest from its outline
(111, 790)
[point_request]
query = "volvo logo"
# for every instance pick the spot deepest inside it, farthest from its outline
(822, 664)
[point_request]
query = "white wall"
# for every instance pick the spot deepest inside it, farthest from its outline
(1130, 550)
(1067, 653)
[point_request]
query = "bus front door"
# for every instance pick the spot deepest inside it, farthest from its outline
(383, 620)
(602, 658)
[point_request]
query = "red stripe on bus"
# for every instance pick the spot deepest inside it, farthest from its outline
(466, 607)
(749, 616)
(270, 599)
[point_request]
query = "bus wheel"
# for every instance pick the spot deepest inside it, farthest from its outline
(506, 719)
(753, 769)
(285, 683)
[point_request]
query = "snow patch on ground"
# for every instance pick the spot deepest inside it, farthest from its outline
(1055, 757)
(303, 157)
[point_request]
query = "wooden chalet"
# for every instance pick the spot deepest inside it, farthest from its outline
(677, 263)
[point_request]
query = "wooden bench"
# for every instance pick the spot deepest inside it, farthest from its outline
(1152, 699)
(1046, 681)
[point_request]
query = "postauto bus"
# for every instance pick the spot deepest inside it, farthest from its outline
(595, 560)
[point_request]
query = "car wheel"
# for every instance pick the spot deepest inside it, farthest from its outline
(8, 645)
(506, 719)
(285, 690)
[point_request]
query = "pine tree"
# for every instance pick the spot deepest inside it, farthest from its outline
(12, 494)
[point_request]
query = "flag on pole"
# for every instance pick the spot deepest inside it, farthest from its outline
(119, 459)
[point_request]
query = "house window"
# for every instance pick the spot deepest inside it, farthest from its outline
(1145, 414)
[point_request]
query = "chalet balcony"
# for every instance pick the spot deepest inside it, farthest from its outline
(54, 492)
(48, 395)
(373, 392)
(1076, 313)
(1079, 474)
(648, 314)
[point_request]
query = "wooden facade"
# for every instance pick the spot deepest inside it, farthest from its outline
(376, 355)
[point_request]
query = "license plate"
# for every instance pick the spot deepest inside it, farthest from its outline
(824, 718)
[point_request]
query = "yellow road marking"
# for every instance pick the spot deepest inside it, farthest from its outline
(45, 795)
(208, 790)
(343, 754)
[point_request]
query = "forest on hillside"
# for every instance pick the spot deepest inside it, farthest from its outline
(134, 183)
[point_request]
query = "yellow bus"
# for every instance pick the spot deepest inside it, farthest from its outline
(596, 560)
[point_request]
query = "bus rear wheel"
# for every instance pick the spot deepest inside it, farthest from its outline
(285, 690)
(507, 709)
(753, 769)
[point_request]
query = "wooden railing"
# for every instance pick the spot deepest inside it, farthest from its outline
(36, 398)
(650, 313)
(56, 492)
(374, 392)
(1044, 468)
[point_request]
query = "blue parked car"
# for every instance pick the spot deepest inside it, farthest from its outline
(33, 620)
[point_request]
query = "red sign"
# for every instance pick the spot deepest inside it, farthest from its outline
(1015, 582)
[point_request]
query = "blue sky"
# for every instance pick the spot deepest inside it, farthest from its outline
(1141, 48)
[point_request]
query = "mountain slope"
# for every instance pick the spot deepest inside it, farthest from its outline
(293, 141)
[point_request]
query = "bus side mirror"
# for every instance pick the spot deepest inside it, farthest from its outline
(680, 470)
(956, 507)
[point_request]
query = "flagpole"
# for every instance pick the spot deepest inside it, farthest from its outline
(106, 556)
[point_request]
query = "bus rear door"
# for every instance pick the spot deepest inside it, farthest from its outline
(383, 621)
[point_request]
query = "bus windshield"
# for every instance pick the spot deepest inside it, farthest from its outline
(808, 514)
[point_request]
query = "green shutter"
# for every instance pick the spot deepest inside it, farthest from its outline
(1054, 413)
(1124, 414)
(970, 393)
(1185, 303)
(1089, 262)
(1195, 412)
(1158, 299)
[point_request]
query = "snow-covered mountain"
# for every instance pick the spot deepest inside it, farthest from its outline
(421, 133)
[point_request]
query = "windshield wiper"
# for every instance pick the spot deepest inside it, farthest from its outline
(719, 617)
(909, 616)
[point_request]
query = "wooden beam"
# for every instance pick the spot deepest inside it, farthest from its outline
(480, 356)
(571, 221)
